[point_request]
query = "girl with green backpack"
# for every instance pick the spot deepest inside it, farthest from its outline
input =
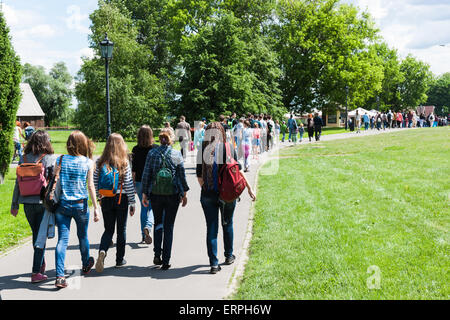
(164, 184)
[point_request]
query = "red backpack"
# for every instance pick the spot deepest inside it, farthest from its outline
(31, 177)
(231, 181)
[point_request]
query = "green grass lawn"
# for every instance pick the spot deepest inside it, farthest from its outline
(337, 208)
(12, 229)
(59, 140)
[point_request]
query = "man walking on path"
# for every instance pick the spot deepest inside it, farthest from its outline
(317, 127)
(183, 133)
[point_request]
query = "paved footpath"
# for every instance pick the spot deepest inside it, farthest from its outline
(188, 278)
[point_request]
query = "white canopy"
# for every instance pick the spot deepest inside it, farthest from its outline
(361, 111)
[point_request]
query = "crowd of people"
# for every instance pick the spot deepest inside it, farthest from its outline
(390, 120)
(155, 173)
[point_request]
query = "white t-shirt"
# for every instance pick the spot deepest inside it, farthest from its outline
(16, 136)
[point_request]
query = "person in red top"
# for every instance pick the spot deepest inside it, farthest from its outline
(399, 119)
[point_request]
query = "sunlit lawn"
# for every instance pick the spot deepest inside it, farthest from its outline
(337, 208)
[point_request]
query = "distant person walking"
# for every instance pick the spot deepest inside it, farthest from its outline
(139, 156)
(115, 189)
(17, 144)
(290, 126)
(317, 126)
(169, 129)
(183, 133)
(209, 164)
(366, 121)
(358, 122)
(247, 144)
(310, 125)
(76, 170)
(38, 150)
(164, 185)
(199, 135)
(283, 130)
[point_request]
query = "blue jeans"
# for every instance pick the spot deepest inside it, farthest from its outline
(64, 214)
(211, 207)
(18, 147)
(165, 209)
(147, 219)
(366, 126)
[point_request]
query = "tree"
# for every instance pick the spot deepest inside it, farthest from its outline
(53, 90)
(137, 95)
(10, 74)
(439, 94)
(389, 95)
(325, 46)
(416, 82)
(225, 74)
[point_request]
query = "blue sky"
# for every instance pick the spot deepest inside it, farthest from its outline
(47, 31)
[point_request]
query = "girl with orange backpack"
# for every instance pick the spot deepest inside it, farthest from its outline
(115, 188)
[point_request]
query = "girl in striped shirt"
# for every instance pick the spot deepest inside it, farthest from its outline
(115, 209)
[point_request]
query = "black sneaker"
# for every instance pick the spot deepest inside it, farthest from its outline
(214, 270)
(230, 260)
(89, 266)
(121, 264)
(157, 261)
(165, 267)
(61, 282)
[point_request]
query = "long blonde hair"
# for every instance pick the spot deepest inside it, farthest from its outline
(115, 154)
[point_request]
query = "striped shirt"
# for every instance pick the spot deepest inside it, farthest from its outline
(73, 177)
(128, 184)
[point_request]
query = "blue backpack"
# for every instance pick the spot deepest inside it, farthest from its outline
(108, 182)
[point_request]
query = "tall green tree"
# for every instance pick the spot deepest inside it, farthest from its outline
(417, 79)
(439, 94)
(53, 90)
(10, 75)
(325, 46)
(388, 98)
(224, 74)
(137, 95)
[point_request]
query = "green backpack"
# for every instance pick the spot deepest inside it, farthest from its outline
(163, 183)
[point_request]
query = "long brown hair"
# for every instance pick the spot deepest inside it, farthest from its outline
(115, 154)
(214, 135)
(145, 137)
(79, 145)
(39, 144)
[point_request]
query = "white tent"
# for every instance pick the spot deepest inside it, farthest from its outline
(361, 111)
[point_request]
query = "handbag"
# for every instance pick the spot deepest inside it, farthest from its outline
(51, 198)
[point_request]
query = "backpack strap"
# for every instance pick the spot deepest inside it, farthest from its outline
(40, 158)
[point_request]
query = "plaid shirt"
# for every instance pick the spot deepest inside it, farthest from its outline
(154, 163)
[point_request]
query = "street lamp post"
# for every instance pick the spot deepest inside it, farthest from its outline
(106, 48)
(346, 108)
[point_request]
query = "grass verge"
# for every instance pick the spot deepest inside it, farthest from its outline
(339, 210)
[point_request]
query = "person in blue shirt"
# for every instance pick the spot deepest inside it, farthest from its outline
(366, 121)
(290, 126)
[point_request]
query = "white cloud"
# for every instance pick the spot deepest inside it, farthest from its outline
(415, 27)
(76, 19)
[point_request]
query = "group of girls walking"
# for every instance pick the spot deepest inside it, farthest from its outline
(156, 174)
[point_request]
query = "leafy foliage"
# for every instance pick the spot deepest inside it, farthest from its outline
(53, 90)
(137, 96)
(439, 94)
(225, 74)
(10, 74)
